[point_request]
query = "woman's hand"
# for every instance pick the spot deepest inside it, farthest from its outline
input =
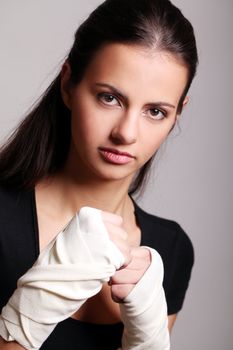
(117, 234)
(137, 259)
(125, 279)
(85, 256)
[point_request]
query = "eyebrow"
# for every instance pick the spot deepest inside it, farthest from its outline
(123, 96)
(114, 90)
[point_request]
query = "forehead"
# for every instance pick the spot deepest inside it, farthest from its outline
(139, 72)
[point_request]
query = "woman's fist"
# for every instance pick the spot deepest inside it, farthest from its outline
(117, 234)
(137, 259)
(125, 279)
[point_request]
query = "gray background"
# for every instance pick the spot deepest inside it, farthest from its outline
(192, 180)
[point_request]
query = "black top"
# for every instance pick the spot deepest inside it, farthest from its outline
(19, 248)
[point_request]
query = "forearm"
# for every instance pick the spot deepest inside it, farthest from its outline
(70, 270)
(144, 311)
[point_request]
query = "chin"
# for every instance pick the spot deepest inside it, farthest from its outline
(97, 169)
(117, 173)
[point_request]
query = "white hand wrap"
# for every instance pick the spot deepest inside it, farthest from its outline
(144, 311)
(71, 269)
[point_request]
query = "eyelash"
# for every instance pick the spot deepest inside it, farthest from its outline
(164, 113)
(104, 95)
(101, 97)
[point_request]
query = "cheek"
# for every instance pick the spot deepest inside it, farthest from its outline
(78, 125)
(87, 126)
(153, 140)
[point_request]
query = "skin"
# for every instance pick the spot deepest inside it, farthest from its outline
(133, 122)
(136, 119)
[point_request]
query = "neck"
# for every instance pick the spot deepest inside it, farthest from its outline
(72, 193)
(61, 196)
(81, 187)
(105, 195)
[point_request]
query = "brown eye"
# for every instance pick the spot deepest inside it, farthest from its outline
(156, 114)
(108, 99)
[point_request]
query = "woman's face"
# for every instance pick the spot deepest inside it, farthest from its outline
(122, 110)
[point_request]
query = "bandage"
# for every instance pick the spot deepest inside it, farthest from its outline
(71, 269)
(144, 311)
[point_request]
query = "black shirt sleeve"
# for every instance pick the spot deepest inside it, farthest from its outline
(183, 264)
(17, 240)
(176, 250)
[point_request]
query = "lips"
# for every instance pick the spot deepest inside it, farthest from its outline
(113, 150)
(114, 156)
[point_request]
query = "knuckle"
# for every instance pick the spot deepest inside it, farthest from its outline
(119, 292)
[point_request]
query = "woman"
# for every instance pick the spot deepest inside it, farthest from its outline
(90, 142)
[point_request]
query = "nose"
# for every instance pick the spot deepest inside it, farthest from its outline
(126, 129)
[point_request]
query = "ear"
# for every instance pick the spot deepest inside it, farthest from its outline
(185, 102)
(65, 84)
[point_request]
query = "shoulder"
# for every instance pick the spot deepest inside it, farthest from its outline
(9, 197)
(17, 220)
(14, 204)
(16, 209)
(165, 232)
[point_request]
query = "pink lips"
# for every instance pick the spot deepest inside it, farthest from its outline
(115, 157)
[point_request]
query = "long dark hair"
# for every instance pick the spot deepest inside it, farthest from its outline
(39, 146)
